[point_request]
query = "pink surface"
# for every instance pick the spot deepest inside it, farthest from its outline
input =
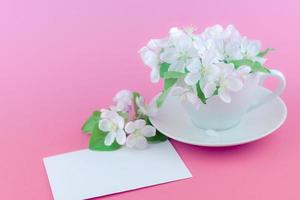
(59, 60)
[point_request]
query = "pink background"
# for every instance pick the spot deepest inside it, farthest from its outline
(59, 60)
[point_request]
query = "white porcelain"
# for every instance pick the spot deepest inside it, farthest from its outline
(218, 115)
(173, 120)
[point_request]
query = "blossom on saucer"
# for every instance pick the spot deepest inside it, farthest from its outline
(112, 123)
(148, 110)
(138, 131)
(186, 96)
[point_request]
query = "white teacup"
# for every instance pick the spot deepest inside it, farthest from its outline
(218, 115)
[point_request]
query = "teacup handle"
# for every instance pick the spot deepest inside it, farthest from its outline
(281, 85)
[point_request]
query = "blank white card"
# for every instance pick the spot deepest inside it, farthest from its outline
(86, 174)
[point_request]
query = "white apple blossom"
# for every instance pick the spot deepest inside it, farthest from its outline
(203, 45)
(123, 100)
(148, 110)
(226, 42)
(112, 123)
(228, 82)
(186, 96)
(249, 49)
(217, 32)
(180, 52)
(204, 71)
(151, 59)
(150, 56)
(138, 131)
(190, 32)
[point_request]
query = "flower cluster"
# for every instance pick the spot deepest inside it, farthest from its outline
(125, 123)
(198, 66)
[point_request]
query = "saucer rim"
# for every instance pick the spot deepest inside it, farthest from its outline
(284, 116)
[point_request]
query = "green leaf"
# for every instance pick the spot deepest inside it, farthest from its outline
(92, 121)
(163, 68)
(263, 53)
(173, 74)
(200, 93)
(97, 141)
(238, 63)
(216, 92)
(160, 100)
(169, 83)
(255, 66)
(159, 137)
(167, 87)
(135, 94)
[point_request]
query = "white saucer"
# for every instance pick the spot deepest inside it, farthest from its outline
(173, 121)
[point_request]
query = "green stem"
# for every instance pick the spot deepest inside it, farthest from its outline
(134, 96)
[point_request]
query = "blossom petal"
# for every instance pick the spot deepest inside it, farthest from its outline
(136, 141)
(108, 114)
(244, 44)
(154, 75)
(149, 58)
(175, 33)
(209, 89)
(234, 84)
(244, 69)
(130, 127)
(130, 141)
(139, 123)
(192, 78)
(214, 70)
(182, 43)
(228, 68)
(177, 66)
(169, 55)
(119, 121)
(121, 137)
(224, 95)
(213, 73)
(109, 138)
(199, 44)
(154, 44)
(148, 131)
(105, 125)
(123, 95)
(253, 47)
(232, 49)
(194, 65)
(209, 57)
(121, 106)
